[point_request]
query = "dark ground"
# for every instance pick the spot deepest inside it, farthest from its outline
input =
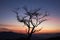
(16, 36)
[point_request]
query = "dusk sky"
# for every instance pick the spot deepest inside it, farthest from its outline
(8, 18)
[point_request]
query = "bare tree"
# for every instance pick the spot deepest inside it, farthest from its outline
(30, 21)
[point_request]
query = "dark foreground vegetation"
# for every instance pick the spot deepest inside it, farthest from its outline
(16, 36)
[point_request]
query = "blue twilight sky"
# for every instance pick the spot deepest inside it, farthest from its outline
(8, 17)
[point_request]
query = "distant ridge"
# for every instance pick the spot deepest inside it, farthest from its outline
(10, 35)
(15, 36)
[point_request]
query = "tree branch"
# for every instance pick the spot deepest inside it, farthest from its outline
(46, 14)
(41, 22)
(32, 23)
(36, 10)
(37, 30)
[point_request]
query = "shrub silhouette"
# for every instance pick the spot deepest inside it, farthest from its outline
(31, 15)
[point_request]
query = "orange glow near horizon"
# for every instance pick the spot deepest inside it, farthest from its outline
(24, 30)
(52, 25)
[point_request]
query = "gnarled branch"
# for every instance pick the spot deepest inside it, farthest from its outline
(37, 30)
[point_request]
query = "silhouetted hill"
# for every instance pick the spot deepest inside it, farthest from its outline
(16, 36)
(11, 36)
(46, 36)
(54, 38)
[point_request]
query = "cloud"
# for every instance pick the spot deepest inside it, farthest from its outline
(4, 29)
(12, 28)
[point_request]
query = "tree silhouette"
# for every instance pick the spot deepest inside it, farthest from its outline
(34, 19)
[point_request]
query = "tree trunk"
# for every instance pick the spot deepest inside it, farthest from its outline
(28, 30)
(30, 34)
